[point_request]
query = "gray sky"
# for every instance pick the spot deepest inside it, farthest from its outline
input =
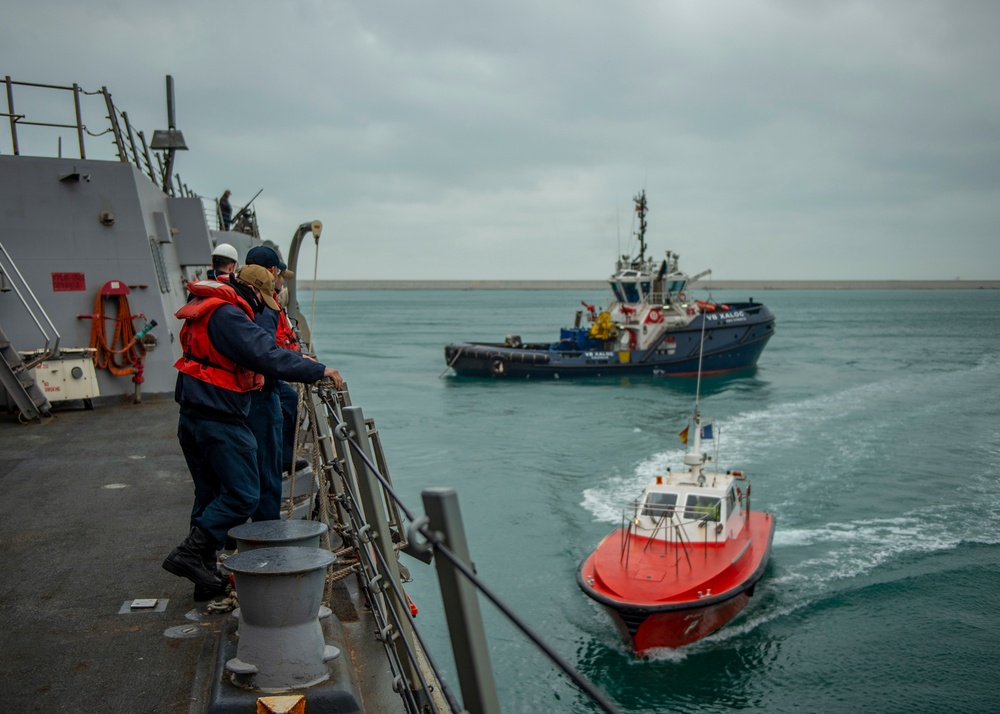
(775, 139)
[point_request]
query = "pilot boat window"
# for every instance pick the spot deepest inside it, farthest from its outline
(618, 292)
(631, 292)
(698, 507)
(659, 504)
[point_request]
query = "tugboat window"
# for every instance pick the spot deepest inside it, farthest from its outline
(659, 504)
(702, 507)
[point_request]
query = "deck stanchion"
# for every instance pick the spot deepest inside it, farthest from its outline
(374, 509)
(461, 606)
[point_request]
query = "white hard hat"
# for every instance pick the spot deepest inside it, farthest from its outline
(226, 251)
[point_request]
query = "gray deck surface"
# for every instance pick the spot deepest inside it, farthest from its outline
(92, 503)
(74, 547)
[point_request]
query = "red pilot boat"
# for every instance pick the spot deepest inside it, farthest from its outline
(688, 560)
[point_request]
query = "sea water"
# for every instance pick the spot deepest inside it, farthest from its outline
(870, 428)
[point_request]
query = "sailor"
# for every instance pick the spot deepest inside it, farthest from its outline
(224, 259)
(265, 417)
(226, 210)
(226, 355)
(288, 339)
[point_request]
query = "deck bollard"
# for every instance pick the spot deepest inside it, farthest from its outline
(277, 534)
(281, 643)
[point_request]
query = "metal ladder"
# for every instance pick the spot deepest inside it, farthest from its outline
(15, 377)
(20, 385)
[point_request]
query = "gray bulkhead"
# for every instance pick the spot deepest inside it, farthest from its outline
(56, 217)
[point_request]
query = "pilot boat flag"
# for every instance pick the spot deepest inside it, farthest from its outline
(706, 432)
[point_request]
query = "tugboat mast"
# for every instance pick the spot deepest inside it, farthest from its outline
(641, 208)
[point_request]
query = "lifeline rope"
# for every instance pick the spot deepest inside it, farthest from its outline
(295, 456)
(106, 355)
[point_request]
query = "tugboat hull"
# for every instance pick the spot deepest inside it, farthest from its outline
(729, 347)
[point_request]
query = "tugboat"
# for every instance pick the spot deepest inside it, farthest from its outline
(687, 560)
(651, 327)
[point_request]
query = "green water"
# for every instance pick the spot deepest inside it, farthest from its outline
(870, 428)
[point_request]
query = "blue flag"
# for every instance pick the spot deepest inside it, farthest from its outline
(706, 431)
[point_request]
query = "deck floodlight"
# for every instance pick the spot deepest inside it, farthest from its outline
(164, 139)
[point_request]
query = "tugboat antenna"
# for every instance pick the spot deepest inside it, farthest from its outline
(641, 207)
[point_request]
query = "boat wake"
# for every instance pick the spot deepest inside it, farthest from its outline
(850, 477)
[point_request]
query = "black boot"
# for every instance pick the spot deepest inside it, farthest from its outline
(203, 593)
(187, 559)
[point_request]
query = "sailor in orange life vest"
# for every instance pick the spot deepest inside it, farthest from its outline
(289, 340)
(265, 417)
(226, 355)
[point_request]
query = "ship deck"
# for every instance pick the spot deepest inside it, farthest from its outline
(92, 503)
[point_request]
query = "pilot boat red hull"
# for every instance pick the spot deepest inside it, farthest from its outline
(666, 594)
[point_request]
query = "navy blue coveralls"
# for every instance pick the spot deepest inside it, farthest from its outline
(266, 422)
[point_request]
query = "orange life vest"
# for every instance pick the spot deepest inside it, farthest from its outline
(285, 336)
(201, 360)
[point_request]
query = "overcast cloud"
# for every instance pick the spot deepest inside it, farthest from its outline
(777, 139)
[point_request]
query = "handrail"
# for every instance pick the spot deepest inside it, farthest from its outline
(437, 543)
(46, 351)
(124, 135)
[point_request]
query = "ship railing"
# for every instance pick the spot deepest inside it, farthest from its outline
(12, 279)
(129, 144)
(368, 515)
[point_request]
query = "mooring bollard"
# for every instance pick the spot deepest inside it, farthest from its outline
(281, 643)
(277, 534)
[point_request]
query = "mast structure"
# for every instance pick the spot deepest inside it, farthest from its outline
(641, 208)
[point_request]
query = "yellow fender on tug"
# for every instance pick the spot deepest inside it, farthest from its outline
(602, 329)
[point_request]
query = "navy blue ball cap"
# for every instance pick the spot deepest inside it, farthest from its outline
(265, 257)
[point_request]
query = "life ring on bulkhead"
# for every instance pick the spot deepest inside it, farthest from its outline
(627, 340)
(654, 317)
(498, 367)
(682, 296)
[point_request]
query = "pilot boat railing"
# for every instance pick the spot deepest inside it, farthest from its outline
(672, 527)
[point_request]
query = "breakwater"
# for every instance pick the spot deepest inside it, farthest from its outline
(601, 284)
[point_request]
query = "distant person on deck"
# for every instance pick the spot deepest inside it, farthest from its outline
(224, 259)
(226, 210)
(225, 357)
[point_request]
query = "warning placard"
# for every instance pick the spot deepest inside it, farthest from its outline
(68, 282)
